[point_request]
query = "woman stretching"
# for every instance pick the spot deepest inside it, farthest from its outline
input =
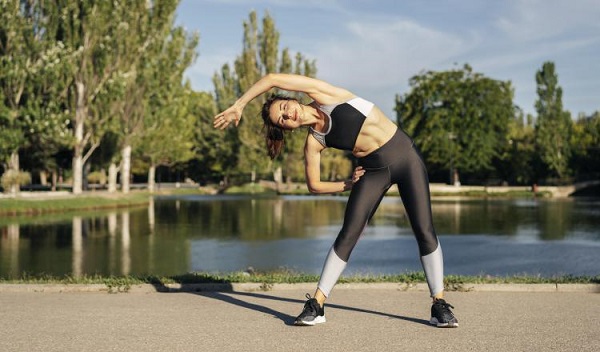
(386, 155)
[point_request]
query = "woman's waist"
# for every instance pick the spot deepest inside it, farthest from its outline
(371, 140)
(388, 152)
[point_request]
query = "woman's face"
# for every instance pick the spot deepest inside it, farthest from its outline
(287, 114)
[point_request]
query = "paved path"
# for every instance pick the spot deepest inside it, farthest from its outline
(358, 320)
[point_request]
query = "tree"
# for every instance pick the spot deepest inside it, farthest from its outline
(458, 118)
(91, 29)
(32, 65)
(211, 151)
(260, 55)
(17, 51)
(168, 131)
(553, 124)
(514, 163)
(149, 27)
(226, 93)
(585, 144)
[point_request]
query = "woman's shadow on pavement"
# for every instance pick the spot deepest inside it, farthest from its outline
(228, 295)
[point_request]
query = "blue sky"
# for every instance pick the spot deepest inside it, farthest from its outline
(373, 47)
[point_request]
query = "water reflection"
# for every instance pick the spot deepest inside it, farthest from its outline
(174, 235)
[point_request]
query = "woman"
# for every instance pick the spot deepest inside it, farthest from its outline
(386, 155)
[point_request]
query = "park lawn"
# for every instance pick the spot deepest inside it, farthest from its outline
(42, 205)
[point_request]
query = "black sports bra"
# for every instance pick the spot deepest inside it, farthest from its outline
(345, 121)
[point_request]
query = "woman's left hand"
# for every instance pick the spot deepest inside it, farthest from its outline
(357, 174)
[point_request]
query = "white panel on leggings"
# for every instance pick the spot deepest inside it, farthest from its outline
(433, 265)
(332, 269)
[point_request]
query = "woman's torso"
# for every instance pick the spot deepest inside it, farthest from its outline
(364, 124)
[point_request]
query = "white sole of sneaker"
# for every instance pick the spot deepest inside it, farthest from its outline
(318, 320)
(435, 322)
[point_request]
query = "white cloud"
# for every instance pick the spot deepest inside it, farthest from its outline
(383, 54)
(376, 59)
(531, 20)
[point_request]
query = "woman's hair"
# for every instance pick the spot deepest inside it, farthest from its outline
(274, 136)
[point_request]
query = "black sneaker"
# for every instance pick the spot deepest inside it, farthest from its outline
(442, 316)
(312, 313)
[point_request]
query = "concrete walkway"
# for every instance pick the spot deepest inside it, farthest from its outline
(360, 318)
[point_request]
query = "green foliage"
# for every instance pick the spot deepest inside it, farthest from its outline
(514, 164)
(553, 125)
(169, 116)
(585, 145)
(458, 118)
(213, 149)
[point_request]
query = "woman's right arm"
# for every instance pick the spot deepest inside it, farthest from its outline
(320, 91)
(312, 167)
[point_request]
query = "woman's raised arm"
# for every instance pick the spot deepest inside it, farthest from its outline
(320, 91)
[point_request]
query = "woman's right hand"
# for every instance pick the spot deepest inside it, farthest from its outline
(232, 114)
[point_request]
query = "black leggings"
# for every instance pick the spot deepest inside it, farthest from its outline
(397, 162)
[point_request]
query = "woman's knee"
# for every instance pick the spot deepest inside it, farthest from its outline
(344, 244)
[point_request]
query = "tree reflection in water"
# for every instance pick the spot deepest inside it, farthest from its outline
(158, 239)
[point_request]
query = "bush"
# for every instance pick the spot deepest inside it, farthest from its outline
(97, 177)
(14, 178)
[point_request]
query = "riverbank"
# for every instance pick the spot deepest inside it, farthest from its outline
(35, 203)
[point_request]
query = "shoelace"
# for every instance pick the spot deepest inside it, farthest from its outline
(445, 305)
(309, 304)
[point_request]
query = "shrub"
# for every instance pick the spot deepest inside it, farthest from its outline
(14, 178)
(97, 177)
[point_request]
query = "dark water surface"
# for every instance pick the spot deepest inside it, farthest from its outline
(176, 235)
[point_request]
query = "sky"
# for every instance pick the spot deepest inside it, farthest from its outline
(373, 48)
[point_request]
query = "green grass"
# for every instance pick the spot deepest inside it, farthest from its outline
(25, 206)
(250, 188)
(286, 276)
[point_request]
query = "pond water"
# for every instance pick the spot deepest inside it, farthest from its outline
(219, 234)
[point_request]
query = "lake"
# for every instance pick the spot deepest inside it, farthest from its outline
(219, 234)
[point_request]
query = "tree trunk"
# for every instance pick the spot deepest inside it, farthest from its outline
(278, 175)
(54, 180)
(455, 178)
(13, 164)
(43, 178)
(151, 178)
(112, 177)
(80, 116)
(125, 168)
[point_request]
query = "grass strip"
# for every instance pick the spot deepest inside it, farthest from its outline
(23, 206)
(284, 276)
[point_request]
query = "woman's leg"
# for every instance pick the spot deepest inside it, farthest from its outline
(413, 184)
(363, 201)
